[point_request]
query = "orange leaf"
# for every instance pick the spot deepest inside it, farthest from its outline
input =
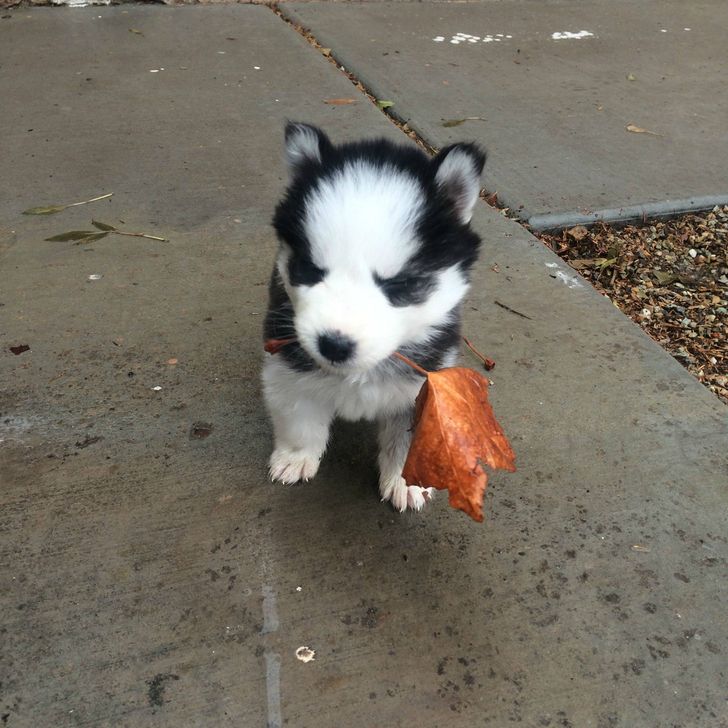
(338, 102)
(455, 436)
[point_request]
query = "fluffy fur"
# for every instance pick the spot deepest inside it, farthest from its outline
(375, 254)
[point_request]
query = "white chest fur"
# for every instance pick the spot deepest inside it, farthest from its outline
(366, 396)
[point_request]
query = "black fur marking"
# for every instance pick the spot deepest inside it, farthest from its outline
(406, 289)
(279, 325)
(302, 271)
(445, 240)
(431, 355)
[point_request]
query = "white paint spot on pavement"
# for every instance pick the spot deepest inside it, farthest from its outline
(157, 389)
(305, 654)
(569, 280)
(468, 38)
(568, 35)
(95, 277)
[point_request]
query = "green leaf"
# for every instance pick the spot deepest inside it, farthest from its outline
(91, 238)
(665, 278)
(102, 225)
(580, 263)
(382, 104)
(456, 122)
(49, 210)
(71, 235)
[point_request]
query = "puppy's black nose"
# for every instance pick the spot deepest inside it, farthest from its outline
(335, 346)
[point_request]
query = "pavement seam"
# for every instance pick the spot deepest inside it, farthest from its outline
(643, 212)
(490, 197)
(329, 55)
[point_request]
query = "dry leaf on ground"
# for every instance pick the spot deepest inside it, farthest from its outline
(639, 130)
(338, 102)
(53, 209)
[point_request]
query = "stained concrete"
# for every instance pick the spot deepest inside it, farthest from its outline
(555, 112)
(151, 576)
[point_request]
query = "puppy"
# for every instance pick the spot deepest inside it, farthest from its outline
(375, 255)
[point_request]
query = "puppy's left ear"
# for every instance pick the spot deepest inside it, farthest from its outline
(457, 174)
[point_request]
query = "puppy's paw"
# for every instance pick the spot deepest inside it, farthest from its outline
(290, 466)
(403, 496)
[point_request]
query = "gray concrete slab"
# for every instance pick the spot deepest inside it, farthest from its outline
(555, 112)
(150, 574)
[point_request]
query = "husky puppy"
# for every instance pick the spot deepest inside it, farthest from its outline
(375, 254)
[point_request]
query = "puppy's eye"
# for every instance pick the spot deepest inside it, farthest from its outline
(304, 272)
(405, 290)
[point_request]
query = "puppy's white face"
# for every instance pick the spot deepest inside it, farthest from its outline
(363, 274)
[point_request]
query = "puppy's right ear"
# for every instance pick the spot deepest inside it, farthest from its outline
(304, 144)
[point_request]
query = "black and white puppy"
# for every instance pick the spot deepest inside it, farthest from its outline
(375, 253)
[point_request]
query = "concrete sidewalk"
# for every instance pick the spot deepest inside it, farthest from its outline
(151, 576)
(554, 111)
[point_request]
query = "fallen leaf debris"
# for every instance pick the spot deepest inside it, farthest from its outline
(83, 237)
(670, 277)
(53, 209)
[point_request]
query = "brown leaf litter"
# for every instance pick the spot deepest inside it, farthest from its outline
(670, 277)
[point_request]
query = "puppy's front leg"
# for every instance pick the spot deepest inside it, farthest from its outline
(394, 442)
(300, 427)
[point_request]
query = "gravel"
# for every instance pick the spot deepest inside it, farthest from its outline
(670, 277)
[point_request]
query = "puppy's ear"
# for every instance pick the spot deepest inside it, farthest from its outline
(304, 143)
(457, 174)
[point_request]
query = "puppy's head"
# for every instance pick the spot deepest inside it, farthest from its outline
(375, 243)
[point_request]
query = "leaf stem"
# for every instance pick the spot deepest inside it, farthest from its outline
(273, 346)
(512, 310)
(140, 235)
(410, 363)
(93, 199)
(487, 363)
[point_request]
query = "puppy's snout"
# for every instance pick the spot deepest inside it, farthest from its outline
(336, 347)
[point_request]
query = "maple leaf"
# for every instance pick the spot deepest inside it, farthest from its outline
(455, 435)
